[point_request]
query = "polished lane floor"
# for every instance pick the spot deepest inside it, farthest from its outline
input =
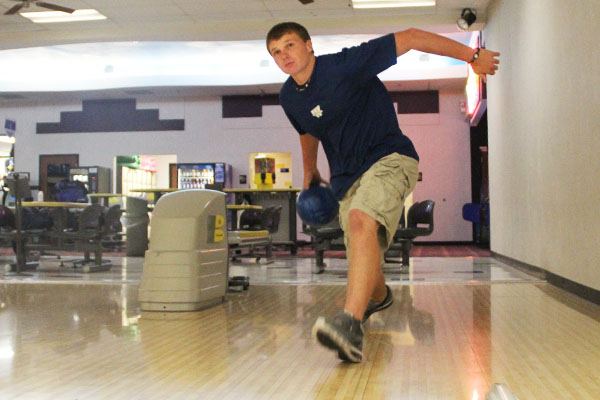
(458, 325)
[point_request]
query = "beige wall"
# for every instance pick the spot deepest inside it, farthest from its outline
(442, 141)
(544, 135)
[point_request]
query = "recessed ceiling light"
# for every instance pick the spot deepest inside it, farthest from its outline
(45, 17)
(392, 3)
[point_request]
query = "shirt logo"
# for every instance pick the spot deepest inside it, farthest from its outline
(317, 112)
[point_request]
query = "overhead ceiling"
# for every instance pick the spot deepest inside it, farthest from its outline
(163, 20)
(210, 20)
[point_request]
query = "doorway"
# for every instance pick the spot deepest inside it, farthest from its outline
(53, 169)
(480, 181)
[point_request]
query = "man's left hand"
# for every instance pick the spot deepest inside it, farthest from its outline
(486, 64)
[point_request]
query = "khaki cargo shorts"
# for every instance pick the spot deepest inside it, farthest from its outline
(380, 193)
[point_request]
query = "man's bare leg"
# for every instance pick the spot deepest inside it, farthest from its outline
(365, 278)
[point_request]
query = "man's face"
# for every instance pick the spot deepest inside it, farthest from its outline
(291, 53)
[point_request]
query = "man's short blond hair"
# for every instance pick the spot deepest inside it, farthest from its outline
(283, 28)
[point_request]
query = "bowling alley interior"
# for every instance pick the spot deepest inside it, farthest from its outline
(154, 241)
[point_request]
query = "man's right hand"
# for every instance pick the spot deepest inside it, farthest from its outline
(313, 177)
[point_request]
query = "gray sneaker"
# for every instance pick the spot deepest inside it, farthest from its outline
(342, 333)
(373, 307)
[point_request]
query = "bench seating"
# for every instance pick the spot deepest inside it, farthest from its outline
(96, 227)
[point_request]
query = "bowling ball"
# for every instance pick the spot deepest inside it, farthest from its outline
(317, 205)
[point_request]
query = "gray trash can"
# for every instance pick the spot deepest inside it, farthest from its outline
(186, 266)
(136, 226)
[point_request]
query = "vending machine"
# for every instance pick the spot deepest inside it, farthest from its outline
(198, 175)
(96, 179)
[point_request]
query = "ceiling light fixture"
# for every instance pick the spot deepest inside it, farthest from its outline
(467, 17)
(392, 3)
(45, 17)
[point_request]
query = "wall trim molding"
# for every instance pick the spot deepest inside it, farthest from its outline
(586, 292)
(407, 102)
(110, 115)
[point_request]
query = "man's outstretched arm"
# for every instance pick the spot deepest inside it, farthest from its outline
(427, 42)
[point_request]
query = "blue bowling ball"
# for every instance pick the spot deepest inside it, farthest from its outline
(317, 205)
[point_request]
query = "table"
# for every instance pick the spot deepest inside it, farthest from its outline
(156, 191)
(59, 217)
(59, 204)
(104, 197)
(286, 198)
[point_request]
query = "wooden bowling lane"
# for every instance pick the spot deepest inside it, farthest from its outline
(60, 341)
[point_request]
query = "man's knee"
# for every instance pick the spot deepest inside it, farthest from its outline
(361, 222)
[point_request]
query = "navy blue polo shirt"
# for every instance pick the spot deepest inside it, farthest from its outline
(349, 110)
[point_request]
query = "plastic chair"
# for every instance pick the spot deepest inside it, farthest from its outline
(88, 238)
(323, 238)
(266, 219)
(419, 222)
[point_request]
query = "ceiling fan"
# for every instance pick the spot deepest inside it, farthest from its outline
(306, 1)
(27, 3)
